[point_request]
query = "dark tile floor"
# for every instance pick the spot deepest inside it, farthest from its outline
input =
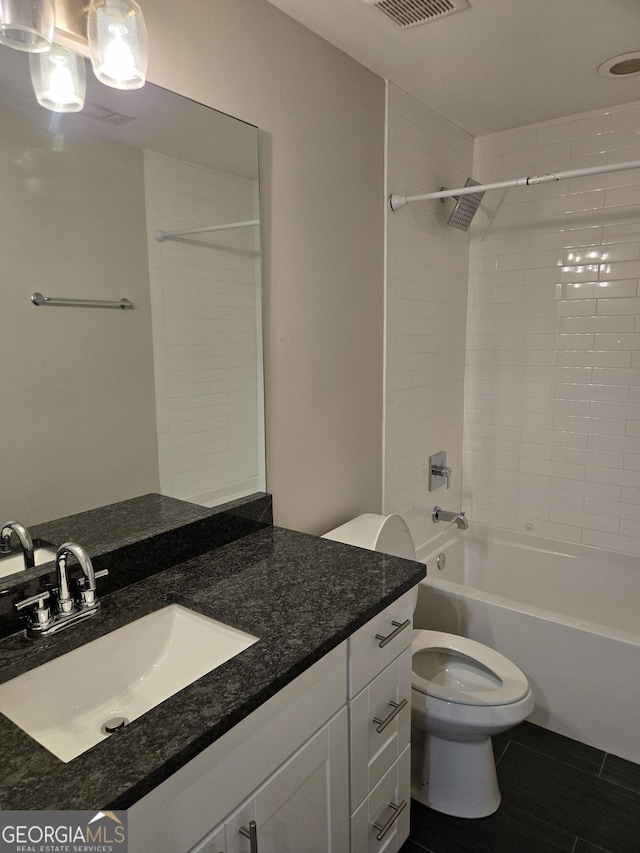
(558, 796)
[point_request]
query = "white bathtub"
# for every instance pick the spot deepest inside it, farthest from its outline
(567, 615)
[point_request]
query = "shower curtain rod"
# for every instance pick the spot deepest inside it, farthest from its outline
(398, 201)
(161, 236)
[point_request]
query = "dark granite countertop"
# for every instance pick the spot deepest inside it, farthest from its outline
(300, 594)
(133, 539)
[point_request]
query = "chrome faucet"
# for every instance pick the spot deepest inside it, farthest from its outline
(459, 518)
(68, 610)
(66, 603)
(24, 537)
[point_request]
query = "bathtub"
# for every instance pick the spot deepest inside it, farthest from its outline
(567, 615)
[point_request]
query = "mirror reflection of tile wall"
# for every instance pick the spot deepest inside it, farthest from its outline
(206, 335)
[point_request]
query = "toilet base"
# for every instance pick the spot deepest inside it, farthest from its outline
(457, 778)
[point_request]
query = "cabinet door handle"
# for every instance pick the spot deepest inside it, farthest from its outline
(251, 834)
(400, 626)
(397, 811)
(382, 724)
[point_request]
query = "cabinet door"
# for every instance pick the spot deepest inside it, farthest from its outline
(304, 805)
(213, 843)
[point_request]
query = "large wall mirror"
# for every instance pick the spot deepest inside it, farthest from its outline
(100, 404)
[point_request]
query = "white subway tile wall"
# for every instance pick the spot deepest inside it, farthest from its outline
(426, 304)
(206, 311)
(552, 388)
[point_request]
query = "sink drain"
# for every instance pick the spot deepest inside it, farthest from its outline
(110, 727)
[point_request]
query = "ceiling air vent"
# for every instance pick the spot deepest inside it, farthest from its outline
(412, 13)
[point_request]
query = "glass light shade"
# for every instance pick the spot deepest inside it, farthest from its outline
(27, 24)
(59, 79)
(118, 43)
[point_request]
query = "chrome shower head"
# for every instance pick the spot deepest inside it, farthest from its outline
(466, 206)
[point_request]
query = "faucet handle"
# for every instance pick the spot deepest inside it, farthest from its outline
(88, 596)
(442, 471)
(82, 582)
(41, 615)
(439, 471)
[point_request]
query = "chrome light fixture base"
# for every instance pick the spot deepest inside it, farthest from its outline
(71, 25)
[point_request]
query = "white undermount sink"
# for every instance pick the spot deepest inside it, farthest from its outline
(15, 562)
(65, 703)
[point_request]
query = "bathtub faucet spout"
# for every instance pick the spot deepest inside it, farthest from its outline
(459, 518)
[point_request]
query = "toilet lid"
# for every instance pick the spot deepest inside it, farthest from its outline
(460, 670)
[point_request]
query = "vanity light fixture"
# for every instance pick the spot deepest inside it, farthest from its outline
(117, 37)
(112, 33)
(59, 79)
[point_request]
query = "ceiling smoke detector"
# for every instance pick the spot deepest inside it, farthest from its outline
(412, 13)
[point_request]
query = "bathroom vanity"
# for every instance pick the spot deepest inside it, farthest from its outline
(266, 736)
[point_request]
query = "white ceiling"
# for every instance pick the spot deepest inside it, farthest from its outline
(495, 65)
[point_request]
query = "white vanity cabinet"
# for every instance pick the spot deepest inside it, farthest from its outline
(308, 766)
(379, 702)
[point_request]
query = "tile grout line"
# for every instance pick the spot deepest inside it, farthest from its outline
(616, 782)
(535, 816)
(546, 755)
(499, 758)
(419, 844)
(602, 766)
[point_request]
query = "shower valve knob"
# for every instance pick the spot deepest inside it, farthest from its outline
(439, 472)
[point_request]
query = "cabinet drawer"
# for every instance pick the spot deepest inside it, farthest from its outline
(370, 650)
(380, 726)
(377, 826)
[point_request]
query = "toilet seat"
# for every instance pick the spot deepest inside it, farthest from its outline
(489, 678)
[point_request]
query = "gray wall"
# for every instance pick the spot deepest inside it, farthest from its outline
(321, 117)
(59, 457)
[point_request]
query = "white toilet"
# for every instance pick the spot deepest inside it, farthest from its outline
(462, 693)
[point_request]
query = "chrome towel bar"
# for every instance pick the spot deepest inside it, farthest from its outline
(39, 299)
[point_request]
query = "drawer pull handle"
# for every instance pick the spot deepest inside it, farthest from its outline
(251, 834)
(382, 724)
(400, 626)
(397, 811)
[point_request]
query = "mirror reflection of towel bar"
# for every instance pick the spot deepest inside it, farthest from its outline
(39, 299)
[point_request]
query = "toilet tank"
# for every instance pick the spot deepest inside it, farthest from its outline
(388, 534)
